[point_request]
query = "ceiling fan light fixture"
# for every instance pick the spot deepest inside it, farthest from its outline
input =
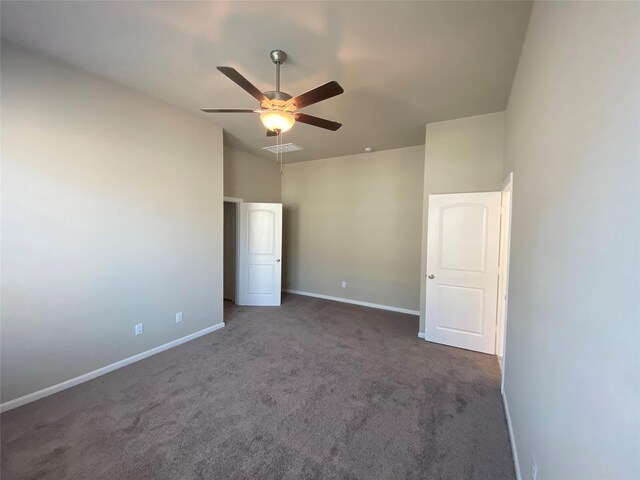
(279, 110)
(277, 120)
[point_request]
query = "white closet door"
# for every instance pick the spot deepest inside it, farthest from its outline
(462, 270)
(260, 250)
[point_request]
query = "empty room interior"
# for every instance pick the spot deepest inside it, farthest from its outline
(320, 240)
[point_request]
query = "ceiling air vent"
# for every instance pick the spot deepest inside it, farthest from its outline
(284, 148)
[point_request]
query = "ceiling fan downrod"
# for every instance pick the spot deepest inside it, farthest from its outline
(278, 57)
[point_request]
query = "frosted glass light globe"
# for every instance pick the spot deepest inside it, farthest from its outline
(277, 120)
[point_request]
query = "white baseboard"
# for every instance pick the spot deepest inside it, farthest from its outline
(512, 437)
(45, 392)
(355, 302)
(421, 335)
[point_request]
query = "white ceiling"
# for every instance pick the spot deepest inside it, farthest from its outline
(402, 64)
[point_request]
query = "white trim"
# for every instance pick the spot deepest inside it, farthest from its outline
(233, 199)
(512, 437)
(45, 392)
(422, 335)
(507, 184)
(508, 181)
(355, 302)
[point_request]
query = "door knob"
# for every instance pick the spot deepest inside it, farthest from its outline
(431, 277)
(277, 259)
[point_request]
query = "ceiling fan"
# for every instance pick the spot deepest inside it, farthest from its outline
(279, 110)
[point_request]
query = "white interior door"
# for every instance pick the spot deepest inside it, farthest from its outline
(260, 249)
(462, 270)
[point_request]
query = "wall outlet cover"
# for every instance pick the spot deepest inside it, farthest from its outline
(344, 284)
(178, 317)
(139, 329)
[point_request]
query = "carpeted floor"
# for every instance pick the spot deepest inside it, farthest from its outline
(311, 390)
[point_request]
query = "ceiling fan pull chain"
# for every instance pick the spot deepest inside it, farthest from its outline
(277, 147)
(280, 150)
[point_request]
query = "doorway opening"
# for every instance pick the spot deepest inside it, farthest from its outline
(468, 244)
(230, 227)
(252, 239)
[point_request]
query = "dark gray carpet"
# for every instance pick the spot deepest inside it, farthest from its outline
(313, 389)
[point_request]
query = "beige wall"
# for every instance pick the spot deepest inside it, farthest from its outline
(573, 339)
(355, 218)
(111, 216)
(252, 178)
(463, 155)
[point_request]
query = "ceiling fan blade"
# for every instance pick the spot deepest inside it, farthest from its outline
(328, 90)
(317, 121)
(245, 84)
(228, 110)
(271, 133)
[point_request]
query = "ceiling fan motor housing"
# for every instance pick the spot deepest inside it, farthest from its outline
(276, 99)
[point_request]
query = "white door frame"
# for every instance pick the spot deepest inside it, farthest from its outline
(504, 269)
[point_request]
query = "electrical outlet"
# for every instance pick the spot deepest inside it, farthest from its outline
(139, 329)
(534, 469)
(344, 284)
(178, 317)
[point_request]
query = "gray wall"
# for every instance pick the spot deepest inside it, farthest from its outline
(252, 178)
(355, 218)
(573, 338)
(111, 216)
(463, 155)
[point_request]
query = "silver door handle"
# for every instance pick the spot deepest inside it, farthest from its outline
(277, 259)
(431, 277)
